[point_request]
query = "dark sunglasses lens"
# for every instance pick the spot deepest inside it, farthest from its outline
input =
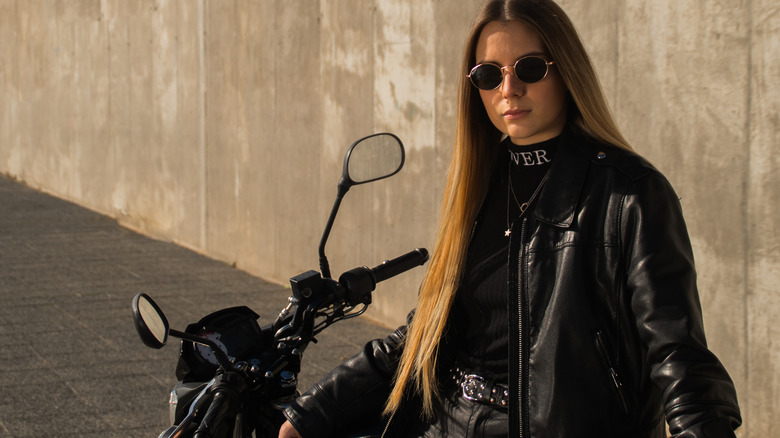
(531, 69)
(486, 76)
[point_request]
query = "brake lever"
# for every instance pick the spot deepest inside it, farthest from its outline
(227, 391)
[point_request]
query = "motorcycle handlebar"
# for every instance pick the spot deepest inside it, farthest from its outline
(358, 283)
(399, 265)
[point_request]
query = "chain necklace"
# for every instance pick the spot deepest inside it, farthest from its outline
(524, 206)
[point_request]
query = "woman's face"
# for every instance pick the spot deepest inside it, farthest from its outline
(527, 113)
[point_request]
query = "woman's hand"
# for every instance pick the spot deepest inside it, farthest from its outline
(288, 431)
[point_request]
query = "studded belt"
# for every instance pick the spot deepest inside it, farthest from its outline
(480, 390)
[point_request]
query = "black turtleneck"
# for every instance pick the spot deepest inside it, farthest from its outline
(478, 337)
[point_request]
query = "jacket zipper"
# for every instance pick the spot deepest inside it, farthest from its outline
(617, 382)
(522, 381)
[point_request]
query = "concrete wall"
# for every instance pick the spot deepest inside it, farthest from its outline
(221, 125)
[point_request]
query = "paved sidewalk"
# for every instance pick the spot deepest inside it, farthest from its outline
(71, 364)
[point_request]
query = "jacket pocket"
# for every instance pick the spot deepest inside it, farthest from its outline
(617, 383)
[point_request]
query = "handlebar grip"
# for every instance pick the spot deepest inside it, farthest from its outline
(399, 265)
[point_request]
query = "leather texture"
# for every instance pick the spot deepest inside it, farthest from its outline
(606, 331)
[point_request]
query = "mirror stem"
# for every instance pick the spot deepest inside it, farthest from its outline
(222, 358)
(324, 265)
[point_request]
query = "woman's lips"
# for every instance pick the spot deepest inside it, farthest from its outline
(514, 114)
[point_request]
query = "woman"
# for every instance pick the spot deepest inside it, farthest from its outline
(561, 297)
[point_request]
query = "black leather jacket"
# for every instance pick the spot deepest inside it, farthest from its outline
(608, 337)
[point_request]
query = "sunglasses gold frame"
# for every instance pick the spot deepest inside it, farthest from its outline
(547, 65)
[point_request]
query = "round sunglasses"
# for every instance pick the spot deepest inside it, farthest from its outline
(528, 69)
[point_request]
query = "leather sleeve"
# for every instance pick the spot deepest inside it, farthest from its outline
(699, 396)
(350, 393)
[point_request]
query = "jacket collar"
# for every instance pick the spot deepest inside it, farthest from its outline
(560, 196)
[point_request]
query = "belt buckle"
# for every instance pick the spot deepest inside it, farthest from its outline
(473, 387)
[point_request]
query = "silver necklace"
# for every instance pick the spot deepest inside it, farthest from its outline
(524, 206)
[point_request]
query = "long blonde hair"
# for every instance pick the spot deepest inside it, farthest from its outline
(474, 151)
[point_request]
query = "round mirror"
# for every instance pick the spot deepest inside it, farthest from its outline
(374, 157)
(150, 322)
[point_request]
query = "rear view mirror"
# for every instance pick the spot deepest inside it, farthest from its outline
(372, 158)
(150, 322)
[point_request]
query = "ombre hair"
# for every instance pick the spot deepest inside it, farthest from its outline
(476, 145)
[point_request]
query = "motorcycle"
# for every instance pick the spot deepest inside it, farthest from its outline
(235, 377)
